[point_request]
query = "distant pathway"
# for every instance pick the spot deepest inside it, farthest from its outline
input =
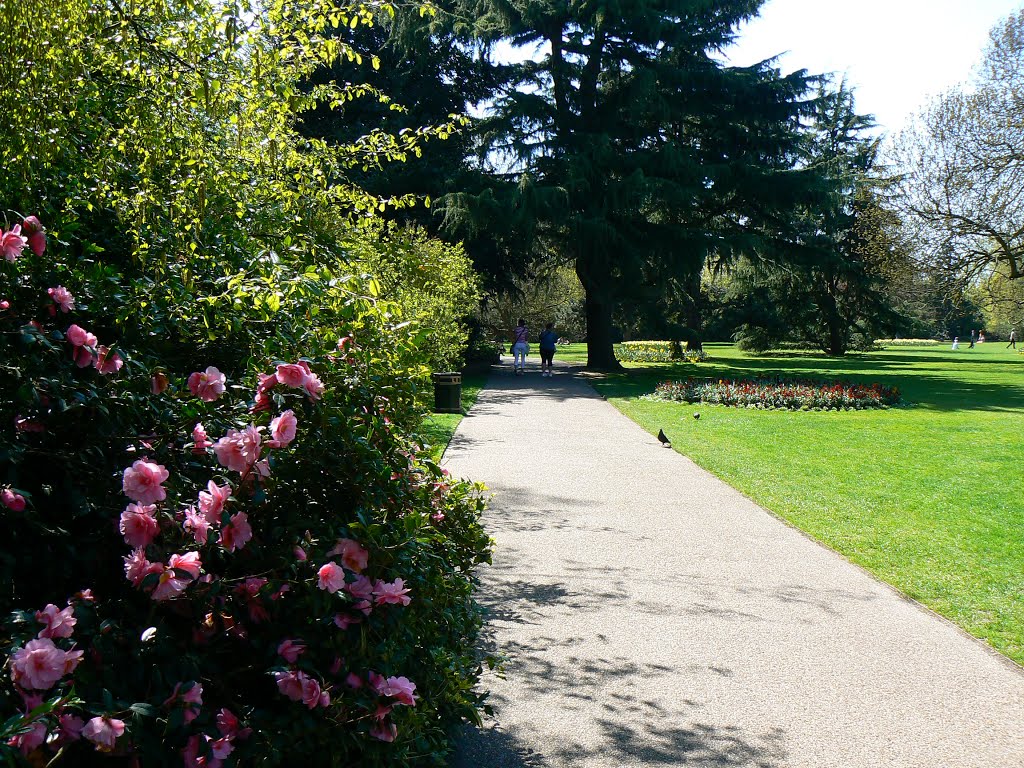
(651, 615)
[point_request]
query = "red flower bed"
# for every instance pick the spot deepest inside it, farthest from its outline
(780, 393)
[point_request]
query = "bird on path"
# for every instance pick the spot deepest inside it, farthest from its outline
(664, 440)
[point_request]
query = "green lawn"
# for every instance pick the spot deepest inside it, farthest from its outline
(437, 428)
(928, 497)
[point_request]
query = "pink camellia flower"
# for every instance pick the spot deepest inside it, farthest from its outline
(142, 482)
(12, 243)
(230, 726)
(344, 621)
(72, 660)
(344, 343)
(197, 523)
(80, 337)
(30, 740)
(201, 439)
(39, 665)
(103, 732)
(212, 501)
(71, 727)
(282, 430)
(181, 571)
(290, 650)
(401, 689)
(13, 501)
(395, 592)
(63, 298)
(137, 567)
(384, 730)
(57, 623)
(313, 386)
(220, 749)
(362, 590)
(298, 686)
(291, 375)
(237, 533)
(138, 525)
(238, 451)
(262, 403)
(4, 304)
(191, 701)
(36, 233)
(207, 385)
(266, 382)
(159, 383)
(107, 361)
(331, 577)
(353, 555)
(300, 553)
(352, 680)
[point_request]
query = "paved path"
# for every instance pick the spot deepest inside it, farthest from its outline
(651, 615)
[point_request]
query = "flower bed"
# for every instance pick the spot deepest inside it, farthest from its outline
(657, 352)
(785, 394)
(909, 343)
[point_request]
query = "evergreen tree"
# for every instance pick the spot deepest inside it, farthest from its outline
(629, 149)
(836, 300)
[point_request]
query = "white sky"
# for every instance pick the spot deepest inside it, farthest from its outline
(895, 53)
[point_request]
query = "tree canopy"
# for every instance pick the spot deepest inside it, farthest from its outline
(630, 150)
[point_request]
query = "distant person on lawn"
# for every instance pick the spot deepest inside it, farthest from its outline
(520, 347)
(1013, 339)
(956, 343)
(974, 335)
(548, 340)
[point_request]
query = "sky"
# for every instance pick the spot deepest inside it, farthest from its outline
(895, 53)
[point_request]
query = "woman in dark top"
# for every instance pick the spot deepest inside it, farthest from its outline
(548, 339)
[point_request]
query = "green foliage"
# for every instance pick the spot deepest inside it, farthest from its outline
(433, 282)
(196, 227)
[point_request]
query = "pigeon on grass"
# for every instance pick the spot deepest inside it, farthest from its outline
(664, 440)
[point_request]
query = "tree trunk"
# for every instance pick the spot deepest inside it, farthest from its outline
(598, 309)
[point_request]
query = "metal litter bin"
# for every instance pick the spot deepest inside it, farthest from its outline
(447, 392)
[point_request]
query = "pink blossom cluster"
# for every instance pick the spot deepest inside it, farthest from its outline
(207, 385)
(295, 375)
(205, 751)
(190, 702)
(173, 578)
(29, 233)
(40, 664)
(87, 351)
(398, 691)
(298, 686)
(62, 297)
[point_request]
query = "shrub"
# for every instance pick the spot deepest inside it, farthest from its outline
(252, 566)
(657, 352)
(787, 394)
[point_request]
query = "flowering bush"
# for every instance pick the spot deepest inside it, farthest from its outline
(657, 352)
(239, 562)
(787, 394)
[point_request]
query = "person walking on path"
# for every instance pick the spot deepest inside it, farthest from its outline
(548, 340)
(520, 347)
(1013, 339)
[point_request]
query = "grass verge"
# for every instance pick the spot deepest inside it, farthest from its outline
(928, 497)
(437, 428)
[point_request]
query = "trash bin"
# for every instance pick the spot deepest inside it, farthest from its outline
(447, 392)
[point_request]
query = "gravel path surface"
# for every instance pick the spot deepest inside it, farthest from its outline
(652, 615)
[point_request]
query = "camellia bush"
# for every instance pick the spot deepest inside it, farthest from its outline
(786, 394)
(657, 352)
(224, 566)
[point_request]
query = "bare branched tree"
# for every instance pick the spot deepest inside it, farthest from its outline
(963, 159)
